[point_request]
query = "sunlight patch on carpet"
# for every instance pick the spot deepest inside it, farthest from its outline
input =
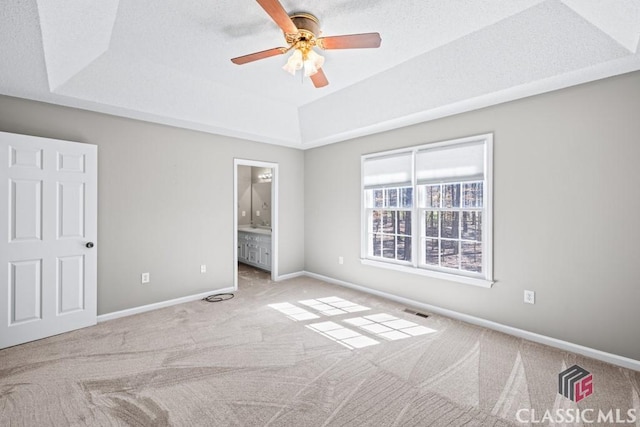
(345, 336)
(389, 327)
(333, 306)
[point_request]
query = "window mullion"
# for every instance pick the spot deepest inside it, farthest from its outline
(416, 242)
(440, 202)
(416, 223)
(396, 231)
(460, 232)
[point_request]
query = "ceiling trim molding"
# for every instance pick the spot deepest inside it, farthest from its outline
(586, 75)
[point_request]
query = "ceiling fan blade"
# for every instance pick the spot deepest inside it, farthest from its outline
(259, 55)
(319, 79)
(351, 41)
(279, 15)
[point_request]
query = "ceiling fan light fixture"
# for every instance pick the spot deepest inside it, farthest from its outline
(312, 62)
(304, 58)
(302, 33)
(309, 69)
(294, 63)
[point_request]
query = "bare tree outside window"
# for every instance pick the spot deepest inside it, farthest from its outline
(453, 225)
(390, 223)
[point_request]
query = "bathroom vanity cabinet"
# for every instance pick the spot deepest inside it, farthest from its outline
(254, 247)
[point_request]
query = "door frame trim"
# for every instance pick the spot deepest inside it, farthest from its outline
(274, 215)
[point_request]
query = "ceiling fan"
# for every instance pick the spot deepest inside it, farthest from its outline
(301, 31)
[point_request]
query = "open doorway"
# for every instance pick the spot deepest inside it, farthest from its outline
(255, 189)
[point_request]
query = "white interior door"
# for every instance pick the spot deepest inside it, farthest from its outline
(48, 257)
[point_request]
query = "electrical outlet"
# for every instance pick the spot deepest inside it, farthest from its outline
(203, 268)
(244, 213)
(340, 260)
(529, 297)
(145, 278)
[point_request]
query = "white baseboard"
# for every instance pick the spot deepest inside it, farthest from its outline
(162, 304)
(614, 359)
(290, 276)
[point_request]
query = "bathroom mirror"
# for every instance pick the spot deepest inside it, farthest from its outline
(254, 196)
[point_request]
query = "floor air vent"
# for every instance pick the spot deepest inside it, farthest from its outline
(417, 313)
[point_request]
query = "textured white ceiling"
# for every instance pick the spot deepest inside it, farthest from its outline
(169, 61)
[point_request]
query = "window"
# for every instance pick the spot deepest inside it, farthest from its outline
(390, 228)
(427, 209)
(452, 232)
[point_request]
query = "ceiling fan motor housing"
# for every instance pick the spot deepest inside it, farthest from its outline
(308, 28)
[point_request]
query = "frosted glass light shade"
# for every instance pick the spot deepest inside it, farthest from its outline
(294, 63)
(312, 62)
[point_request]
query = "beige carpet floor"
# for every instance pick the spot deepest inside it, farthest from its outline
(294, 353)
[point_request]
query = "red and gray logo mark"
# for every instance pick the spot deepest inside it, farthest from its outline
(575, 383)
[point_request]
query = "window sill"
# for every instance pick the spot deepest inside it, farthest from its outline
(430, 273)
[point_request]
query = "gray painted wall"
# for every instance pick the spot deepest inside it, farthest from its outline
(166, 206)
(165, 202)
(566, 214)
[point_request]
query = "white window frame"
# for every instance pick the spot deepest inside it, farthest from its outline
(484, 279)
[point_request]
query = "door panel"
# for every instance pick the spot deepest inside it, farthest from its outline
(70, 209)
(26, 157)
(264, 256)
(253, 253)
(25, 291)
(25, 205)
(70, 283)
(71, 162)
(47, 273)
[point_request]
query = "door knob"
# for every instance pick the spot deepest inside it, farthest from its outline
(89, 245)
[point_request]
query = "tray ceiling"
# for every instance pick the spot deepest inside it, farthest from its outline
(169, 61)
